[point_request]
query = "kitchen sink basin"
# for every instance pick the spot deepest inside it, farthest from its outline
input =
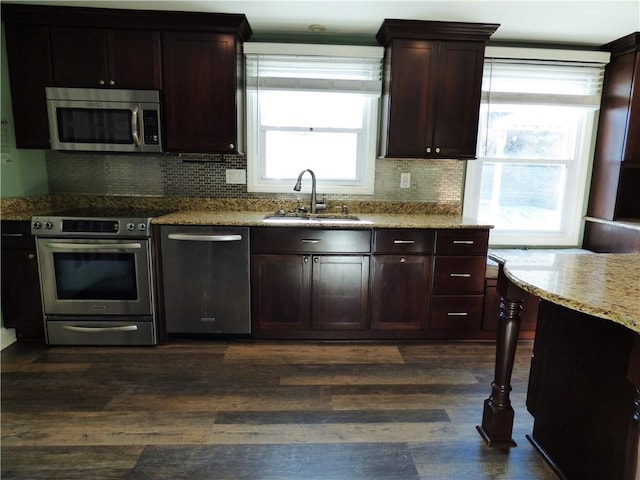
(314, 218)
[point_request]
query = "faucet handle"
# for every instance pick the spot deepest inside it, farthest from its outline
(322, 205)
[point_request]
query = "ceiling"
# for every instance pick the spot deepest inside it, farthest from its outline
(584, 23)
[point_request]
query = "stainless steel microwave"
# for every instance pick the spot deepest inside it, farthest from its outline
(104, 120)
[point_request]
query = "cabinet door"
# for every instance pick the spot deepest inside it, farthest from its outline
(281, 292)
(94, 58)
(29, 58)
(199, 78)
(21, 306)
(460, 67)
(340, 292)
(400, 292)
(133, 59)
(79, 56)
(412, 94)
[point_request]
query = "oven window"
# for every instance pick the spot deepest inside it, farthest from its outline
(94, 125)
(95, 276)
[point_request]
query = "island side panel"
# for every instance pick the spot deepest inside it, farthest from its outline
(580, 394)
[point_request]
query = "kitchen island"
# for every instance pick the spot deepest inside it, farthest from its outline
(584, 384)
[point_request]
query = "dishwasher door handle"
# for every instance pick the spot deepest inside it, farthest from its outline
(192, 237)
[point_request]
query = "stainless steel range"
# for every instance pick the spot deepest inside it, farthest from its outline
(96, 277)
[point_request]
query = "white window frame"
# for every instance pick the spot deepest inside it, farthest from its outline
(577, 169)
(364, 183)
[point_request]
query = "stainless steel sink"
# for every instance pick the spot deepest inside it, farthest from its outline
(314, 218)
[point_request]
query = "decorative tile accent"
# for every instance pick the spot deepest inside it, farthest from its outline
(204, 176)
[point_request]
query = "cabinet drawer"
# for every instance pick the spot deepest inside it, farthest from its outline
(403, 241)
(17, 234)
(309, 240)
(456, 312)
(459, 274)
(462, 242)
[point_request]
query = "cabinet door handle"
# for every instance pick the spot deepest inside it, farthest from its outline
(457, 314)
(31, 256)
(437, 150)
(460, 275)
(305, 259)
(404, 241)
(428, 149)
(403, 260)
(310, 240)
(316, 260)
(463, 242)
(204, 238)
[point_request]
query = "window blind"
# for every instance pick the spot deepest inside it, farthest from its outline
(332, 69)
(539, 82)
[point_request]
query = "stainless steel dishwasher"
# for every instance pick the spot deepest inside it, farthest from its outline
(205, 273)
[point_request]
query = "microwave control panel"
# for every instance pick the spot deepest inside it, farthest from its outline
(151, 127)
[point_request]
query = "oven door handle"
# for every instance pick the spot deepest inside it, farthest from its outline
(204, 238)
(121, 328)
(94, 246)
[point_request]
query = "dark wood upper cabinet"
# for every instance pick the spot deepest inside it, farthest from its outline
(29, 60)
(203, 86)
(616, 167)
(431, 88)
(116, 48)
(89, 57)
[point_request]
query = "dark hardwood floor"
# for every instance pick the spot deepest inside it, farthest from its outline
(212, 410)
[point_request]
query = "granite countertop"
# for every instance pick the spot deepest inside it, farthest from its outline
(631, 223)
(368, 220)
(245, 212)
(602, 285)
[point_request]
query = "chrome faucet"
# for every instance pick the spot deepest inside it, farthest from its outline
(314, 206)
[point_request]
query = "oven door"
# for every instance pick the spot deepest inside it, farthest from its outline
(95, 277)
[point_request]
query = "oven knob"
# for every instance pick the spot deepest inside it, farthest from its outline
(142, 227)
(131, 227)
(36, 225)
(48, 225)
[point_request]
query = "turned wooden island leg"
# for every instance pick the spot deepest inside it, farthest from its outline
(497, 416)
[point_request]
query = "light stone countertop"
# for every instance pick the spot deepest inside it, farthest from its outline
(257, 219)
(601, 285)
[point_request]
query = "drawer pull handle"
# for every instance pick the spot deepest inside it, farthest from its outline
(457, 314)
(13, 235)
(463, 242)
(310, 240)
(403, 241)
(460, 275)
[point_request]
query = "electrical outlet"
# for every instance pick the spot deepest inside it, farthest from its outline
(405, 180)
(236, 176)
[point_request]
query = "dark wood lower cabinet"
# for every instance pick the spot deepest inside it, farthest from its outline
(340, 292)
(21, 304)
(400, 292)
(298, 296)
(583, 394)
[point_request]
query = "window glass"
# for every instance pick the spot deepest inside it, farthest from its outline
(315, 112)
(534, 145)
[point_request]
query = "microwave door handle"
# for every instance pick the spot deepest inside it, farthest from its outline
(135, 127)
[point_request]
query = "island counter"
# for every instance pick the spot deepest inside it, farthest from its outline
(584, 383)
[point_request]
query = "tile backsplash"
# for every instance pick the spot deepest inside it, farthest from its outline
(187, 175)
